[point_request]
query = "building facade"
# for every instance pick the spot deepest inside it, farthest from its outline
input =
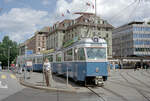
(36, 44)
(87, 25)
(132, 39)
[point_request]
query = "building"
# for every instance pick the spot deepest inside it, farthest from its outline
(22, 49)
(132, 39)
(35, 44)
(87, 25)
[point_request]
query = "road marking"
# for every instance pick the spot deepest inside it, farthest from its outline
(3, 76)
(12, 76)
(3, 85)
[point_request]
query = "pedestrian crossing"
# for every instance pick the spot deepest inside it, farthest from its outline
(3, 76)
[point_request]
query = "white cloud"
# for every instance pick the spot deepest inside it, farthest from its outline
(74, 6)
(20, 23)
(107, 9)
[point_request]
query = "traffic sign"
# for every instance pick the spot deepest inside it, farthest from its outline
(29, 52)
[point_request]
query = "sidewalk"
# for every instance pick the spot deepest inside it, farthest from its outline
(37, 80)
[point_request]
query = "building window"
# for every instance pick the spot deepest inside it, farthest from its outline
(43, 44)
(107, 35)
(39, 49)
(68, 55)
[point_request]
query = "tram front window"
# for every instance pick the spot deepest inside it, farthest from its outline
(96, 53)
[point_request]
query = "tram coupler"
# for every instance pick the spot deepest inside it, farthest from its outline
(99, 81)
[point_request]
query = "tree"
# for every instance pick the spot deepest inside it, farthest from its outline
(148, 22)
(5, 46)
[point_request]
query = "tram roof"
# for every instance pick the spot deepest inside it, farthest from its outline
(87, 41)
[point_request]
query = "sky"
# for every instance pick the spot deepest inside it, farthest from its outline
(20, 19)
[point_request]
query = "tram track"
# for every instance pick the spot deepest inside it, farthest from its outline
(116, 94)
(144, 74)
(143, 83)
(110, 91)
(129, 85)
(141, 92)
(99, 96)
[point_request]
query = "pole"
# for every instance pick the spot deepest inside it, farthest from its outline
(43, 69)
(25, 63)
(8, 58)
(67, 76)
(95, 8)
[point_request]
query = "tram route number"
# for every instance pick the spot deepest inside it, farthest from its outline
(3, 85)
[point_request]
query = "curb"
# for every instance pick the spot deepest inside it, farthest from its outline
(27, 84)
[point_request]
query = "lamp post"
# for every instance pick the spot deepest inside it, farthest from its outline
(25, 62)
(8, 56)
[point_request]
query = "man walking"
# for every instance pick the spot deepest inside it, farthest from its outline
(47, 72)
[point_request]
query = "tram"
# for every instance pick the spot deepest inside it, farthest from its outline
(85, 61)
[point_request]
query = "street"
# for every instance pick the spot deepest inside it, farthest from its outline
(11, 90)
(122, 85)
(8, 84)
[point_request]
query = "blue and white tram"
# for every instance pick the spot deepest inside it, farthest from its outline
(85, 60)
(37, 62)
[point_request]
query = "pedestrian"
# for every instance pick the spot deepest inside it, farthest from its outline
(114, 68)
(0, 67)
(48, 72)
(135, 66)
(119, 65)
(12, 67)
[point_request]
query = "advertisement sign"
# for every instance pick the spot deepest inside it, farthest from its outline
(29, 63)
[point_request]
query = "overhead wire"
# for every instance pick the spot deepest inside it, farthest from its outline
(133, 11)
(121, 11)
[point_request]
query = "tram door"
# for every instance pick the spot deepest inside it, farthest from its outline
(76, 63)
(75, 71)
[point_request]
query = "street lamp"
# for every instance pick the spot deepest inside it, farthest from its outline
(8, 56)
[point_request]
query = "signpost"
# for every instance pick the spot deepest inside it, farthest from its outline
(29, 52)
(29, 66)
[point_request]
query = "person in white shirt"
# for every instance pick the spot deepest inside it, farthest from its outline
(47, 72)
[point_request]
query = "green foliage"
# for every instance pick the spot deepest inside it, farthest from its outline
(148, 22)
(5, 46)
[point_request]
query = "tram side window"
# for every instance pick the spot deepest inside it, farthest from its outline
(33, 60)
(39, 60)
(75, 54)
(79, 54)
(50, 58)
(58, 57)
(68, 55)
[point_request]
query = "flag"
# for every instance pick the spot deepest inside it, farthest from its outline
(68, 11)
(88, 4)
